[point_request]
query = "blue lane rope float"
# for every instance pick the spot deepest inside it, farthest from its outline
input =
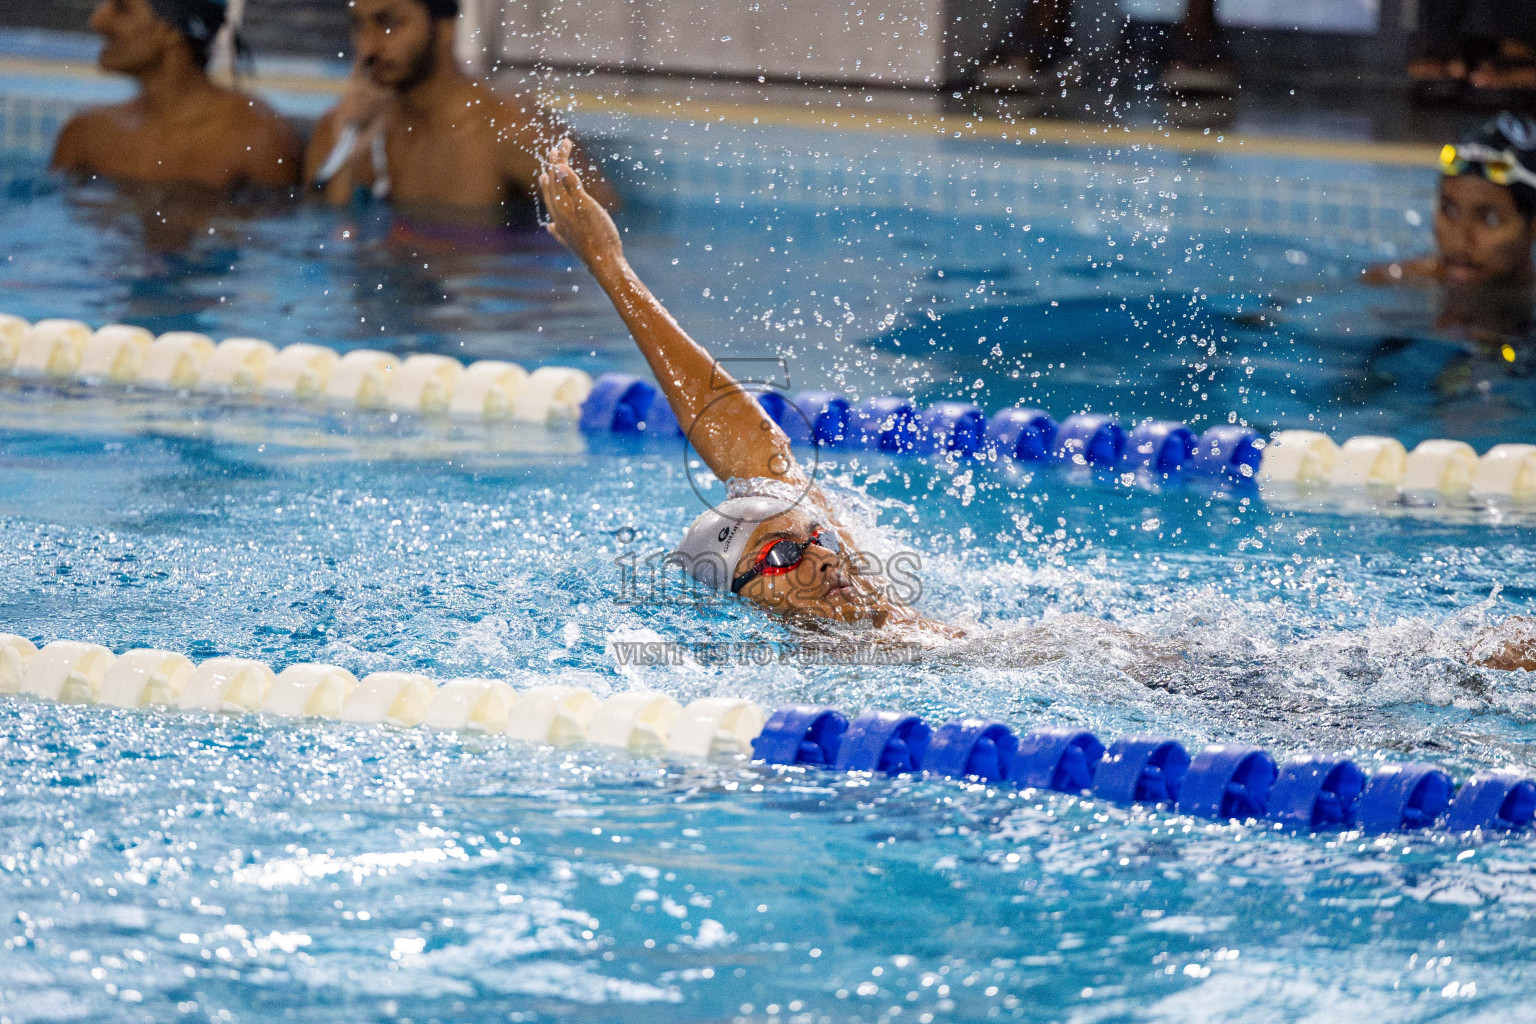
(954, 427)
(1160, 446)
(885, 424)
(1228, 781)
(1020, 435)
(829, 413)
(1401, 797)
(1222, 782)
(1493, 801)
(1141, 770)
(802, 734)
(891, 742)
(625, 404)
(1089, 439)
(1227, 450)
(1292, 462)
(1316, 792)
(1059, 759)
(974, 748)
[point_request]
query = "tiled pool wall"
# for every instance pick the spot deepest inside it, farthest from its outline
(1382, 206)
(30, 124)
(695, 159)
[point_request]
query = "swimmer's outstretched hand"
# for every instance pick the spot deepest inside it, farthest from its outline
(577, 220)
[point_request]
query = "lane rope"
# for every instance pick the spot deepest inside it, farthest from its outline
(1222, 782)
(1291, 463)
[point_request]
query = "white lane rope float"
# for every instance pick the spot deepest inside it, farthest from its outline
(62, 351)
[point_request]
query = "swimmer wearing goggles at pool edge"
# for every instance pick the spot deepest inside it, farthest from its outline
(782, 553)
(1485, 217)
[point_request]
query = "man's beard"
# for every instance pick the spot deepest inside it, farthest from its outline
(421, 67)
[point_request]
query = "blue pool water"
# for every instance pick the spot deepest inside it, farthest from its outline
(186, 867)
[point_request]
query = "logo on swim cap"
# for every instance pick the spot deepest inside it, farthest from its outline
(724, 534)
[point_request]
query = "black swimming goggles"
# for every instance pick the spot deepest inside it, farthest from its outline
(781, 556)
(1499, 166)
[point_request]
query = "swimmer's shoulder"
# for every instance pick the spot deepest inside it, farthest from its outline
(274, 151)
(93, 132)
(1423, 269)
(251, 111)
(252, 116)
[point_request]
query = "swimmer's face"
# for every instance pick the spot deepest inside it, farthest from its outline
(1482, 237)
(824, 584)
(396, 40)
(134, 38)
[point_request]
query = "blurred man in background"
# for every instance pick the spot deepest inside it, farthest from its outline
(413, 127)
(181, 127)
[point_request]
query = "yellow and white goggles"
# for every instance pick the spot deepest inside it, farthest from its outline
(1501, 167)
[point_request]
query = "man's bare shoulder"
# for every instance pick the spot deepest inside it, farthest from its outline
(90, 131)
(250, 113)
(108, 117)
(271, 147)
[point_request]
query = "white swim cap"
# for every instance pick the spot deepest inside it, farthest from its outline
(714, 543)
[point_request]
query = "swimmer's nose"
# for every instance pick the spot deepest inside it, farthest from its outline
(1461, 243)
(835, 573)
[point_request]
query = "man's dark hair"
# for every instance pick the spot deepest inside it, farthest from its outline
(198, 21)
(442, 8)
(1517, 135)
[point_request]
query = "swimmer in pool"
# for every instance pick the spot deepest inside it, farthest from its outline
(1485, 226)
(413, 127)
(783, 547)
(181, 128)
(1485, 218)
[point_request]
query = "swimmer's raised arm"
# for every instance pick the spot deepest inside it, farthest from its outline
(724, 423)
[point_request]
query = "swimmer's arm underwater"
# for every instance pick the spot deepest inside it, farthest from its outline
(724, 423)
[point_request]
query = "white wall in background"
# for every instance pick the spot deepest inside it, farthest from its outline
(906, 42)
(1306, 15)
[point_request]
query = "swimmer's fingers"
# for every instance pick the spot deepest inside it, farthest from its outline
(569, 181)
(577, 220)
(556, 198)
(559, 155)
(560, 165)
(547, 190)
